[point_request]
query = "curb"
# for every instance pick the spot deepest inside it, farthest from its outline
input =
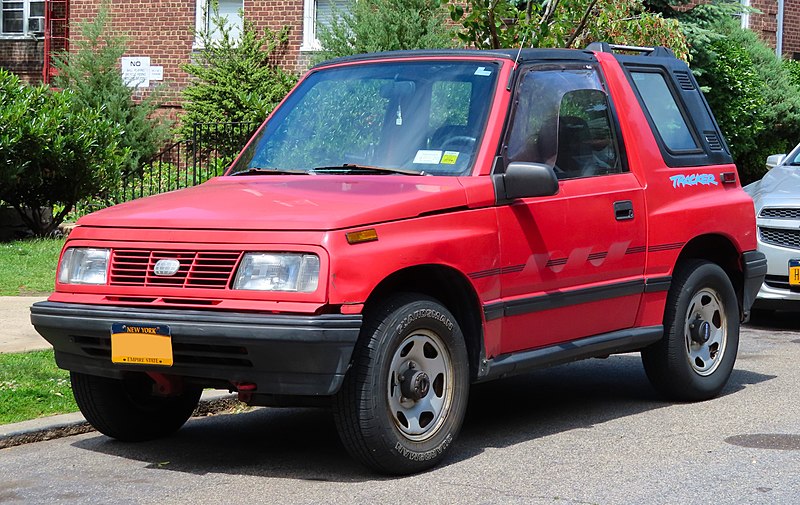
(64, 425)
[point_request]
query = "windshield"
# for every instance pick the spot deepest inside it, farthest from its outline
(384, 118)
(793, 159)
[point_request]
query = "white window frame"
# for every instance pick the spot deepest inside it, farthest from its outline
(26, 16)
(745, 15)
(202, 9)
(310, 41)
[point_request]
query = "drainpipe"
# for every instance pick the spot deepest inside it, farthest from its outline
(779, 33)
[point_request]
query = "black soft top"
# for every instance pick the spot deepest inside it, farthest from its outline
(506, 54)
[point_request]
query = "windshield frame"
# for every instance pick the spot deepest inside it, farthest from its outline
(483, 121)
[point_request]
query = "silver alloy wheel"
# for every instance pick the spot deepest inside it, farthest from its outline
(706, 331)
(420, 385)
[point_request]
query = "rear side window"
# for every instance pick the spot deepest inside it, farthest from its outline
(664, 111)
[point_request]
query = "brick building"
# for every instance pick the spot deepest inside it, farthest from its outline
(162, 31)
(778, 24)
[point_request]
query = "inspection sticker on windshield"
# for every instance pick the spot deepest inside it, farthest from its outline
(428, 157)
(449, 157)
(483, 72)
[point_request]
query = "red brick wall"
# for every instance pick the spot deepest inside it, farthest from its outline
(163, 31)
(160, 30)
(23, 57)
(791, 29)
(766, 24)
(274, 15)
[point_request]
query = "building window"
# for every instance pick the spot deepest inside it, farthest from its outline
(229, 10)
(745, 15)
(318, 13)
(22, 18)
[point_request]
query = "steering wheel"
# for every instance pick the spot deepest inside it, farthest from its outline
(459, 140)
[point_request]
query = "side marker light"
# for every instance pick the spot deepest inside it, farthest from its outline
(357, 237)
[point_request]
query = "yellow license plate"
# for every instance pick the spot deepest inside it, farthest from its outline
(137, 344)
(794, 272)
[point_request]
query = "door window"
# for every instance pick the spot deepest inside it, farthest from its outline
(563, 119)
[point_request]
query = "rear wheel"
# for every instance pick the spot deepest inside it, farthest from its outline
(127, 409)
(694, 359)
(403, 401)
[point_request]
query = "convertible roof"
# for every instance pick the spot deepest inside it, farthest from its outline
(506, 54)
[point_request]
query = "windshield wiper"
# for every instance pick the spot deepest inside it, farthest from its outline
(270, 171)
(351, 168)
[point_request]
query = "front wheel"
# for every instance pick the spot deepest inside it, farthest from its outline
(128, 410)
(695, 358)
(403, 400)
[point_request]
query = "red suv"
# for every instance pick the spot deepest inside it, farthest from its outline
(408, 223)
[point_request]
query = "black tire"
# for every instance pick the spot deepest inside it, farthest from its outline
(695, 358)
(408, 337)
(127, 410)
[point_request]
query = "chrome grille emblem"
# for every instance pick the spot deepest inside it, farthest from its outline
(166, 268)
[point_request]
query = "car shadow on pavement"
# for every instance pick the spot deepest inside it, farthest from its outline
(303, 443)
(778, 320)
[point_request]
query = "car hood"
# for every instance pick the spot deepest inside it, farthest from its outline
(780, 187)
(285, 202)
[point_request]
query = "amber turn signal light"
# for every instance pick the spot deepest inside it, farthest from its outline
(357, 237)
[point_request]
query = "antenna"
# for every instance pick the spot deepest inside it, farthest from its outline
(521, 45)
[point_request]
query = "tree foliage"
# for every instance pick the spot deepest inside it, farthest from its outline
(369, 26)
(493, 24)
(235, 78)
(753, 94)
(54, 151)
(91, 72)
(793, 66)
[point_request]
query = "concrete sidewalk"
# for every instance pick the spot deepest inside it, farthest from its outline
(17, 335)
(16, 332)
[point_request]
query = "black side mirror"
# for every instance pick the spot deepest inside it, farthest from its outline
(526, 180)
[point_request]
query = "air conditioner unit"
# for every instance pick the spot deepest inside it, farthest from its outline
(36, 25)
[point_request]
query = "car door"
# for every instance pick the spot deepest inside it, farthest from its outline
(572, 263)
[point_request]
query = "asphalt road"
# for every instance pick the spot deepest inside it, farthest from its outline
(592, 432)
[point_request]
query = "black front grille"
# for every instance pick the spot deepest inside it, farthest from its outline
(777, 281)
(780, 237)
(183, 353)
(780, 213)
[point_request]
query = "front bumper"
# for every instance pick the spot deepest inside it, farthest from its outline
(281, 354)
(775, 292)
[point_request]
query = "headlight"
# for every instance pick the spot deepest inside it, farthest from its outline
(84, 265)
(278, 272)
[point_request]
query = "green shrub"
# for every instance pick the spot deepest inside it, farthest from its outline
(369, 26)
(793, 66)
(736, 95)
(234, 79)
(752, 93)
(54, 152)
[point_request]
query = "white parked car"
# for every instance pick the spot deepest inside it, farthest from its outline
(777, 204)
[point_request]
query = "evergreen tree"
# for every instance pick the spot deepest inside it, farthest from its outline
(91, 72)
(234, 79)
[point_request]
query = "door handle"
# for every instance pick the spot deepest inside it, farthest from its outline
(623, 210)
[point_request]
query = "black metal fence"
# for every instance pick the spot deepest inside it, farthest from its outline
(188, 162)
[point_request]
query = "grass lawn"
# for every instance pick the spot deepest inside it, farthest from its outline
(28, 267)
(31, 386)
